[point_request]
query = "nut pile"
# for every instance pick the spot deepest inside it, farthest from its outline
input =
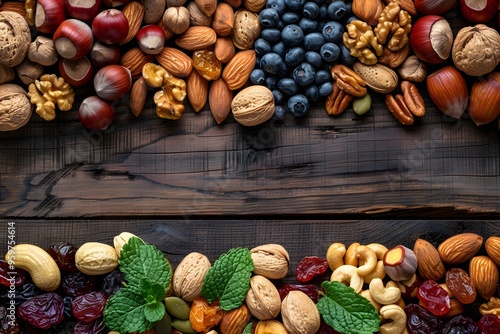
(424, 289)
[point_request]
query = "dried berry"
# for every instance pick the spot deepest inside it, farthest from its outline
(310, 267)
(434, 298)
(92, 327)
(461, 325)
(110, 283)
(310, 290)
(8, 322)
(64, 255)
(11, 276)
(489, 324)
(42, 311)
(461, 285)
(77, 283)
(419, 320)
(89, 307)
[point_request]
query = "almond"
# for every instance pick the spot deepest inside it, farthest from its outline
(224, 49)
(196, 38)
(484, 273)
(238, 70)
(246, 29)
(378, 77)
(254, 5)
(430, 266)
(223, 21)
(219, 99)
(197, 90)
(460, 248)
(207, 6)
(134, 59)
(138, 95)
(234, 321)
(492, 246)
(134, 12)
(175, 62)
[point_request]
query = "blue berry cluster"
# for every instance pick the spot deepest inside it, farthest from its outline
(299, 42)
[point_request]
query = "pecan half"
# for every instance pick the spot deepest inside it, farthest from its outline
(337, 101)
(399, 109)
(413, 99)
(348, 80)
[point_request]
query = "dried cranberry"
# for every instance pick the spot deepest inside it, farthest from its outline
(64, 255)
(461, 325)
(42, 311)
(309, 289)
(421, 321)
(10, 275)
(324, 328)
(110, 283)
(93, 327)
(77, 283)
(8, 322)
(89, 307)
(434, 298)
(310, 267)
(489, 324)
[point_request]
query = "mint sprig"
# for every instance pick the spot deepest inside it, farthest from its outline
(228, 280)
(138, 305)
(347, 311)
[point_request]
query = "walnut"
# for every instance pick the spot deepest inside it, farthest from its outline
(49, 92)
(15, 38)
(170, 99)
(476, 50)
(6, 74)
(362, 43)
(29, 71)
(15, 107)
(43, 51)
(394, 25)
(490, 307)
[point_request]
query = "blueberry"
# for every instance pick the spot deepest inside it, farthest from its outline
(351, 18)
(288, 86)
(345, 56)
(257, 62)
(294, 56)
(332, 32)
(283, 73)
(323, 12)
(280, 25)
(271, 63)
(271, 35)
(348, 7)
(292, 35)
(298, 105)
(271, 82)
(290, 18)
(279, 48)
(277, 5)
(310, 10)
(295, 4)
(280, 112)
(313, 58)
(325, 89)
(269, 18)
(337, 10)
(322, 76)
(279, 98)
(258, 77)
(330, 52)
(312, 93)
(304, 74)
(262, 46)
(313, 41)
(308, 25)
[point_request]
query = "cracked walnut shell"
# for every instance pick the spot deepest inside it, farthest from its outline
(15, 107)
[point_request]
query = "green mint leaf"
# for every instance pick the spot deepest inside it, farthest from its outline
(154, 312)
(229, 278)
(151, 291)
(247, 329)
(124, 312)
(347, 311)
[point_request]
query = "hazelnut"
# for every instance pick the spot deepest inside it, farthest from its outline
(176, 19)
(413, 69)
(29, 71)
(197, 16)
(43, 51)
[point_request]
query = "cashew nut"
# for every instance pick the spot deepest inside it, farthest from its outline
(368, 295)
(335, 255)
(348, 275)
(350, 255)
(384, 295)
(397, 317)
(367, 260)
(378, 272)
(379, 249)
(38, 263)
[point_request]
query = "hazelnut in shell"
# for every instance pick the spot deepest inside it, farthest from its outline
(42, 51)
(29, 71)
(431, 39)
(484, 99)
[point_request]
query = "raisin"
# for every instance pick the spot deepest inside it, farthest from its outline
(461, 325)
(310, 267)
(89, 307)
(92, 327)
(310, 290)
(434, 298)
(461, 285)
(64, 255)
(207, 64)
(489, 324)
(8, 322)
(324, 328)
(42, 311)
(11, 275)
(77, 283)
(68, 305)
(421, 321)
(110, 283)
(21, 294)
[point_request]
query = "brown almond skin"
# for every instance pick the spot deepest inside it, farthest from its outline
(219, 99)
(430, 266)
(460, 248)
(484, 273)
(238, 70)
(197, 90)
(134, 59)
(224, 49)
(138, 95)
(134, 12)
(492, 246)
(234, 321)
(175, 61)
(223, 19)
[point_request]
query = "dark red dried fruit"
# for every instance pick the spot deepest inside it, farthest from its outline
(110, 283)
(489, 324)
(42, 311)
(420, 321)
(310, 267)
(64, 255)
(10, 275)
(93, 327)
(77, 283)
(89, 307)
(310, 290)
(434, 298)
(461, 285)
(461, 325)
(8, 322)
(325, 329)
